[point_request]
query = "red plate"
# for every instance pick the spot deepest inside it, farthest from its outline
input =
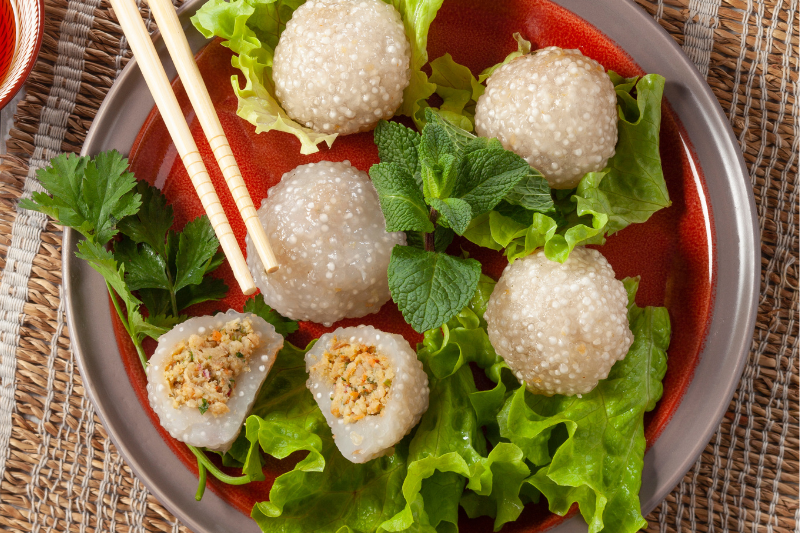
(670, 252)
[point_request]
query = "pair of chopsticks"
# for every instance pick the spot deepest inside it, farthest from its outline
(159, 85)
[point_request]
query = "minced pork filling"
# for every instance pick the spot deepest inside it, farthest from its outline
(202, 371)
(362, 379)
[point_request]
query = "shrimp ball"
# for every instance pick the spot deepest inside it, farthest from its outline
(560, 327)
(329, 236)
(342, 65)
(557, 109)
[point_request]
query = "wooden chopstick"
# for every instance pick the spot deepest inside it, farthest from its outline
(178, 46)
(156, 79)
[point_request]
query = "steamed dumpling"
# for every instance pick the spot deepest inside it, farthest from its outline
(203, 378)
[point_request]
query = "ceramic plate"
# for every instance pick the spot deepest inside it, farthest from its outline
(699, 257)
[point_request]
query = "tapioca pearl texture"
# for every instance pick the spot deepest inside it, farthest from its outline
(560, 327)
(326, 227)
(342, 65)
(557, 109)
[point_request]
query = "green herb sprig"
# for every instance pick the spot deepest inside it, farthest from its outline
(99, 198)
(432, 185)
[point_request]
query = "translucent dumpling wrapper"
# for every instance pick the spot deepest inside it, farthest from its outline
(326, 227)
(188, 418)
(560, 326)
(370, 387)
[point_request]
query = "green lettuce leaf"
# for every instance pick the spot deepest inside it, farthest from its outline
(459, 91)
(629, 190)
(523, 48)
(599, 463)
(252, 28)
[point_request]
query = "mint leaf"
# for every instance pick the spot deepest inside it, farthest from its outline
(442, 237)
(487, 176)
(197, 247)
(430, 288)
(456, 213)
(401, 198)
(532, 192)
(398, 144)
(89, 195)
(257, 306)
(151, 223)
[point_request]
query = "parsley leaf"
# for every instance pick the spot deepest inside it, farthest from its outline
(89, 195)
(430, 288)
(203, 407)
(257, 306)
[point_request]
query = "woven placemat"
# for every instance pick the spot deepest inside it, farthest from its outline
(60, 472)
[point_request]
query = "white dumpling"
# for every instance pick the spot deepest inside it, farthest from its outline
(560, 327)
(342, 65)
(556, 108)
(327, 230)
(375, 399)
(181, 410)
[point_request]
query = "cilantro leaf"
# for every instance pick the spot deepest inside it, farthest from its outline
(257, 306)
(401, 198)
(398, 144)
(89, 195)
(456, 213)
(430, 288)
(197, 246)
(103, 261)
(151, 223)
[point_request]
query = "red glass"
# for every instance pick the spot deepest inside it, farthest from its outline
(8, 37)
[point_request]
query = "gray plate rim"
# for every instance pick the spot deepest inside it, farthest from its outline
(737, 259)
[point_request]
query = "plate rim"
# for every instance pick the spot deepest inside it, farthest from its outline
(76, 275)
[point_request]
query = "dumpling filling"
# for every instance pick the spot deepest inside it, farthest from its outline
(361, 377)
(202, 371)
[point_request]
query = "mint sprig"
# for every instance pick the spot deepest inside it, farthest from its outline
(432, 185)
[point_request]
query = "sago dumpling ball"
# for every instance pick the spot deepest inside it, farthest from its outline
(370, 386)
(557, 109)
(560, 327)
(203, 378)
(342, 65)
(327, 230)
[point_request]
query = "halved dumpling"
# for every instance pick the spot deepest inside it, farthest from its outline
(205, 374)
(370, 386)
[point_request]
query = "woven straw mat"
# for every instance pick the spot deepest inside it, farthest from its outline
(60, 472)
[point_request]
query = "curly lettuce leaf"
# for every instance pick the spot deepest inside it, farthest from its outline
(523, 48)
(629, 190)
(459, 91)
(252, 28)
(598, 462)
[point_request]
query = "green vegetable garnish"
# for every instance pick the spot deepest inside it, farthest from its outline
(257, 306)
(239, 355)
(433, 185)
(99, 198)
(203, 407)
(251, 29)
